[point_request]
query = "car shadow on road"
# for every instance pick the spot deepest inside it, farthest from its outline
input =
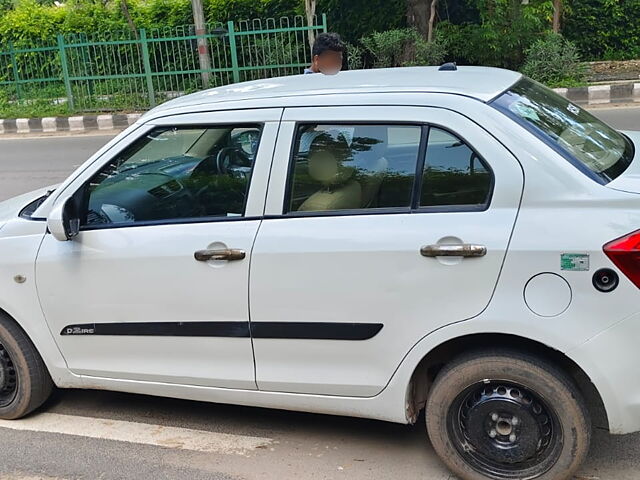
(611, 457)
(221, 418)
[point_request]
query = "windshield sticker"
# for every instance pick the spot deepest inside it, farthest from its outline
(524, 111)
(573, 109)
(575, 262)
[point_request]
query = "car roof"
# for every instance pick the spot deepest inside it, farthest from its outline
(481, 83)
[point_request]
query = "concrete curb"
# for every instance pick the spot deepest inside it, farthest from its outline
(84, 123)
(602, 94)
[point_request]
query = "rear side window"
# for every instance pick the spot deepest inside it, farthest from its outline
(453, 175)
(353, 167)
(587, 142)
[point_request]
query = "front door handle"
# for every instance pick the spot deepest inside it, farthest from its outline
(219, 254)
(464, 250)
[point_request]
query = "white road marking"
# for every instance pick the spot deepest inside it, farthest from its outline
(158, 435)
(19, 476)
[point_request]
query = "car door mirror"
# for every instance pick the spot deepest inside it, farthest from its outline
(63, 221)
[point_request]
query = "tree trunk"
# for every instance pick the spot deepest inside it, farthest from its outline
(127, 16)
(203, 46)
(432, 20)
(310, 10)
(557, 14)
(418, 16)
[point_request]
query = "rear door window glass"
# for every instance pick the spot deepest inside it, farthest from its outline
(353, 167)
(454, 175)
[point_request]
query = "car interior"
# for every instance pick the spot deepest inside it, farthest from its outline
(176, 173)
(353, 167)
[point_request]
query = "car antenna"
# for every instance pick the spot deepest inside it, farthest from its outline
(448, 67)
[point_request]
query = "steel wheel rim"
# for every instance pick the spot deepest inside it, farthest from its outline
(8, 378)
(504, 431)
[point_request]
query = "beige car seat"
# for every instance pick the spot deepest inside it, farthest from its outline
(372, 182)
(328, 156)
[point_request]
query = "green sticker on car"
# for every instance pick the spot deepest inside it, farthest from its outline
(576, 262)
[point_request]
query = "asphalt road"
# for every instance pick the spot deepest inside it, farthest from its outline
(290, 445)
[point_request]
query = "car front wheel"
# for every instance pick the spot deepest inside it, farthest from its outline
(25, 382)
(507, 415)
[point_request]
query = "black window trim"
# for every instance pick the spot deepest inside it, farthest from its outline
(23, 214)
(171, 221)
(414, 206)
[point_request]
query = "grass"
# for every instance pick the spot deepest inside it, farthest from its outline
(33, 109)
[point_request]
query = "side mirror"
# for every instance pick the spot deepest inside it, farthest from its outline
(63, 221)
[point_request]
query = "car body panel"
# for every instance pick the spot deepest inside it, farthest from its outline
(466, 81)
(19, 243)
(11, 208)
(629, 181)
(126, 276)
(122, 277)
(368, 268)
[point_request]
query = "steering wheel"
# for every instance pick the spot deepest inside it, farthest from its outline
(230, 156)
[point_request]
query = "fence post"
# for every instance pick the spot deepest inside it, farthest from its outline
(65, 72)
(234, 52)
(324, 22)
(147, 67)
(16, 74)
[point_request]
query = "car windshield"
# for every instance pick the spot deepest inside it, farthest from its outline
(591, 145)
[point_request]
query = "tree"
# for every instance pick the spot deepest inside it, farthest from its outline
(432, 19)
(127, 16)
(310, 11)
(418, 16)
(203, 47)
(557, 13)
(421, 15)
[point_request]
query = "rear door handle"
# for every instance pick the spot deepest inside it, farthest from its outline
(464, 250)
(219, 254)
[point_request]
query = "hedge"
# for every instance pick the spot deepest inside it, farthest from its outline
(601, 29)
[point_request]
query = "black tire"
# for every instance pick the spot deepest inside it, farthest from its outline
(507, 415)
(25, 383)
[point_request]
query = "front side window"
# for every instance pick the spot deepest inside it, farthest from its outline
(352, 167)
(175, 173)
(587, 142)
(454, 175)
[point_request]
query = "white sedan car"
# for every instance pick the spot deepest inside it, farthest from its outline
(461, 241)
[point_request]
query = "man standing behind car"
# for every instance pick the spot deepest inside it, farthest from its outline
(326, 54)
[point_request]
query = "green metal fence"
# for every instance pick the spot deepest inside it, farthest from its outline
(139, 69)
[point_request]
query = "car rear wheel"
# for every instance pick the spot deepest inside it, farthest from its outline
(25, 382)
(505, 416)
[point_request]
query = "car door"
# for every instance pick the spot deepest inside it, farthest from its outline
(155, 285)
(383, 224)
